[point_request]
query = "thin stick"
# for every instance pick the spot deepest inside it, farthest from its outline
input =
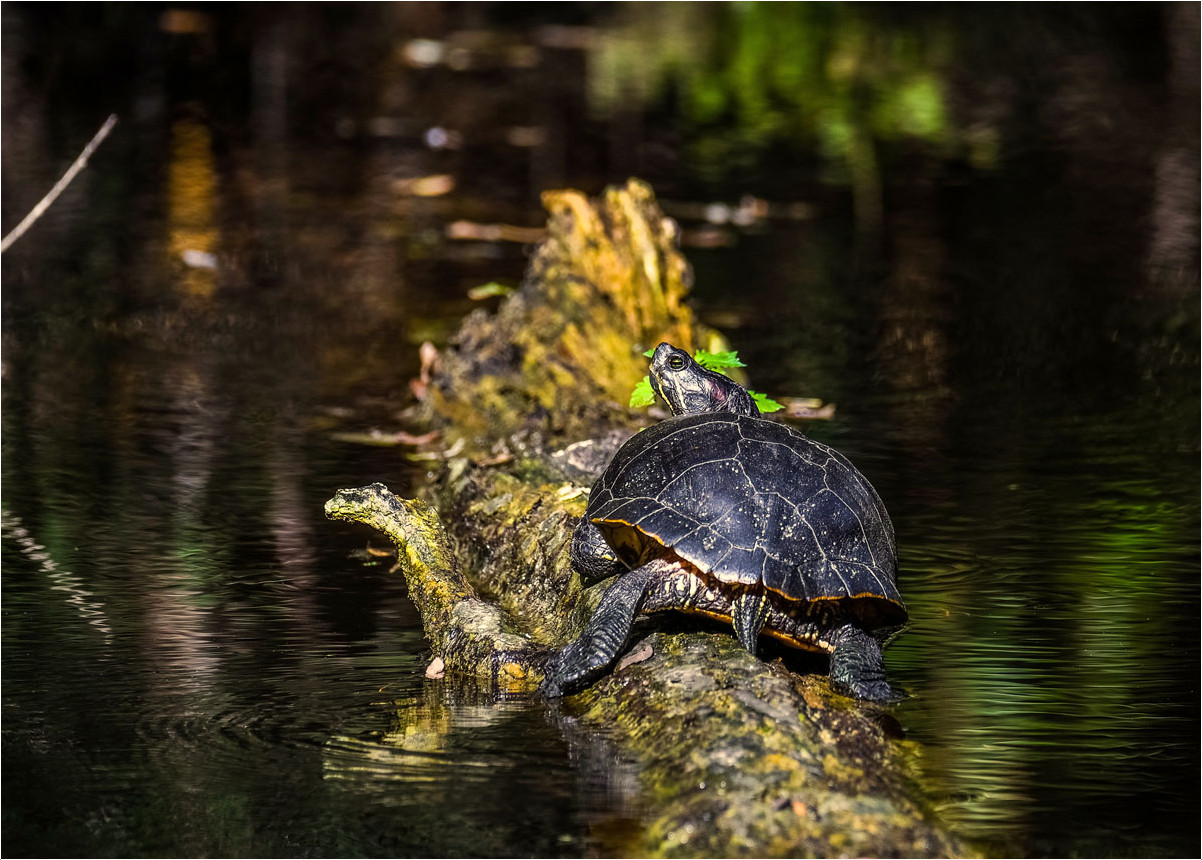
(79, 164)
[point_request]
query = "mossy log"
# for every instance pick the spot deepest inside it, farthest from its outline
(562, 354)
(738, 756)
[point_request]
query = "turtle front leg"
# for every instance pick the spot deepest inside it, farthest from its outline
(603, 639)
(857, 666)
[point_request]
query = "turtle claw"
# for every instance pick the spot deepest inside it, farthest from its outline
(570, 668)
(875, 690)
(588, 657)
(857, 667)
(551, 688)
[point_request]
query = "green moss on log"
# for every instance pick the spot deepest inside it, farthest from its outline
(759, 761)
(562, 354)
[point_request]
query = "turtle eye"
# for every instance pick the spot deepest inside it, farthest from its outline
(676, 362)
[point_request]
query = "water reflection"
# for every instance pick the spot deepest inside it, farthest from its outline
(450, 750)
(191, 207)
(1053, 625)
(84, 601)
(752, 76)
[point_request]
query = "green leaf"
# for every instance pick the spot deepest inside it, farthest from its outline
(764, 402)
(718, 361)
(643, 394)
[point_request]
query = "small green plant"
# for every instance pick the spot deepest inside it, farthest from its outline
(643, 395)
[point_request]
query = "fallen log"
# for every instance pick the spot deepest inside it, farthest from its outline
(737, 756)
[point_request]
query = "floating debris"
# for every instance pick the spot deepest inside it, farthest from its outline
(487, 291)
(472, 230)
(434, 185)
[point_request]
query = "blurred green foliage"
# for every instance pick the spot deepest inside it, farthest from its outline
(822, 78)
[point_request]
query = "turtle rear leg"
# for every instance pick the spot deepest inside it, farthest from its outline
(857, 666)
(605, 636)
(748, 611)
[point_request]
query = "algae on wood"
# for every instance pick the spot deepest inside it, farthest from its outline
(562, 354)
(737, 756)
(746, 758)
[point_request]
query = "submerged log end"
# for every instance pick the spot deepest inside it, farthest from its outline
(415, 530)
(469, 635)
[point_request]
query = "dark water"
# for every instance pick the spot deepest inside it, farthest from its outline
(1000, 294)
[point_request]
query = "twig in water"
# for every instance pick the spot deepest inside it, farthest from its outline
(44, 204)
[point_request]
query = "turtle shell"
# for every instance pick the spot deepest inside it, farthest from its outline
(749, 502)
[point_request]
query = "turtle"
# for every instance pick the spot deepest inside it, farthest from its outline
(720, 512)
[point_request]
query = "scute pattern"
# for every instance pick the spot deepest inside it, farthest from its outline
(750, 501)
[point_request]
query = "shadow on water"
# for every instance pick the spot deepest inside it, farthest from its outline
(983, 250)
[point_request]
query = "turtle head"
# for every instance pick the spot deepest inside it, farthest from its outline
(688, 388)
